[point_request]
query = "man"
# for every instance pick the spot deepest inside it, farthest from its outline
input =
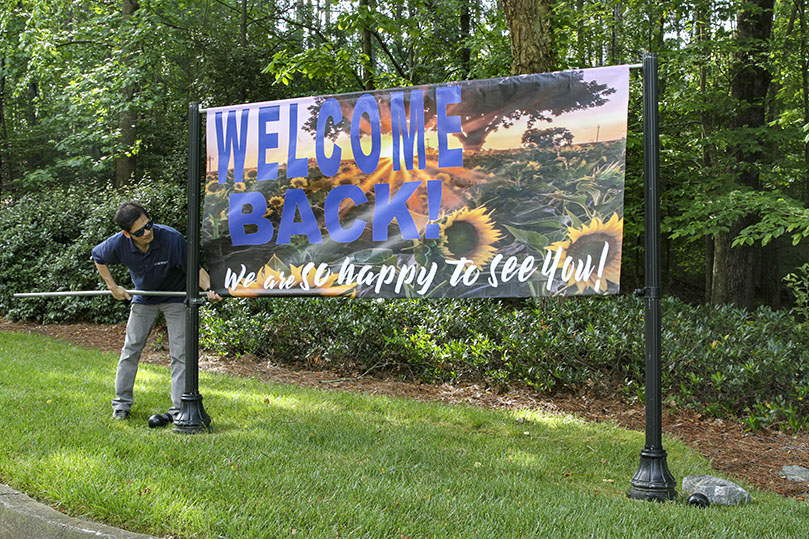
(156, 258)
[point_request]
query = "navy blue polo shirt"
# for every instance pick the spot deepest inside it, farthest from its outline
(162, 267)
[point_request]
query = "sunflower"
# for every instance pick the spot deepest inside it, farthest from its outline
(470, 234)
(276, 201)
(213, 187)
(298, 183)
(274, 270)
(589, 240)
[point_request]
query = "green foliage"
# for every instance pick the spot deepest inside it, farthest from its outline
(728, 361)
(45, 244)
(798, 283)
(69, 71)
(721, 360)
(416, 42)
(779, 215)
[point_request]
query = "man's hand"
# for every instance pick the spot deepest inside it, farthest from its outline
(119, 292)
(205, 284)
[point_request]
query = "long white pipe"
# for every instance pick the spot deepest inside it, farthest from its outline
(97, 293)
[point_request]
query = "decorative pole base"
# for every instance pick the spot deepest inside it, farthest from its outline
(653, 481)
(192, 418)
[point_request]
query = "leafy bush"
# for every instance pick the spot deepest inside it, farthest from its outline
(729, 361)
(720, 360)
(798, 283)
(45, 244)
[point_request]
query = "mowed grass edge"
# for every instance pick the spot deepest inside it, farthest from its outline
(284, 461)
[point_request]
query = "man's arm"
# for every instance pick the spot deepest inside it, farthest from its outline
(118, 291)
(205, 284)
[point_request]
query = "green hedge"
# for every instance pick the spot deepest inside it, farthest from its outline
(721, 360)
(45, 244)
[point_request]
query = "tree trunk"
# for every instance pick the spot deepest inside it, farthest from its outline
(734, 267)
(805, 88)
(702, 30)
(243, 47)
(3, 131)
(327, 16)
(243, 26)
(709, 258)
(466, 25)
(581, 59)
(531, 37)
(615, 30)
(367, 48)
(127, 118)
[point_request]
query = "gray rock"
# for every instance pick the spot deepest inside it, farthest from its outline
(795, 473)
(717, 490)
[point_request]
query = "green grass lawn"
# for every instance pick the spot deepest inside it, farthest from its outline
(284, 461)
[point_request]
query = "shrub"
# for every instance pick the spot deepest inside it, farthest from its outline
(45, 244)
(798, 284)
(719, 360)
(546, 343)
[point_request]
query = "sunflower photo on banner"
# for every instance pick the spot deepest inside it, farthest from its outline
(507, 187)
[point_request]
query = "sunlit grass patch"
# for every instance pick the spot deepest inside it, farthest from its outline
(283, 458)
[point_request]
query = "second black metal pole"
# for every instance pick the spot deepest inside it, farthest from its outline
(652, 481)
(192, 418)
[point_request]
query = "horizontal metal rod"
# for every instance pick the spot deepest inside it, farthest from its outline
(277, 293)
(97, 293)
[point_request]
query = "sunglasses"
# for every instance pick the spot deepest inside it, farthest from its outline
(139, 232)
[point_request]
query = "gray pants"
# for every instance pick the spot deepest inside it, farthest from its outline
(141, 320)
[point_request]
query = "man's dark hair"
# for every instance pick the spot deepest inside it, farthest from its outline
(129, 212)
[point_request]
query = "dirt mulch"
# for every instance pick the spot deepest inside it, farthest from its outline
(756, 458)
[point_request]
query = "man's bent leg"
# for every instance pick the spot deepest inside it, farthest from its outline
(175, 322)
(141, 320)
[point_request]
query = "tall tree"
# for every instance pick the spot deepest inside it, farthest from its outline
(733, 268)
(366, 13)
(702, 29)
(3, 130)
(127, 117)
(532, 47)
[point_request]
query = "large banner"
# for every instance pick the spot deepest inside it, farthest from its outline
(507, 187)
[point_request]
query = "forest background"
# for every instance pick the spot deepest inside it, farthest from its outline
(94, 100)
(96, 94)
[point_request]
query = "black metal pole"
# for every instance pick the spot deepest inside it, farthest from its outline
(192, 418)
(652, 481)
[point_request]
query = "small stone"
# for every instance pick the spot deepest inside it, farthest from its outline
(717, 490)
(795, 473)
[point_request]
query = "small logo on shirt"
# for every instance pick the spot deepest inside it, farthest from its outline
(161, 263)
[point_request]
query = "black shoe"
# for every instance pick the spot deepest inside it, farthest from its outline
(120, 415)
(160, 420)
